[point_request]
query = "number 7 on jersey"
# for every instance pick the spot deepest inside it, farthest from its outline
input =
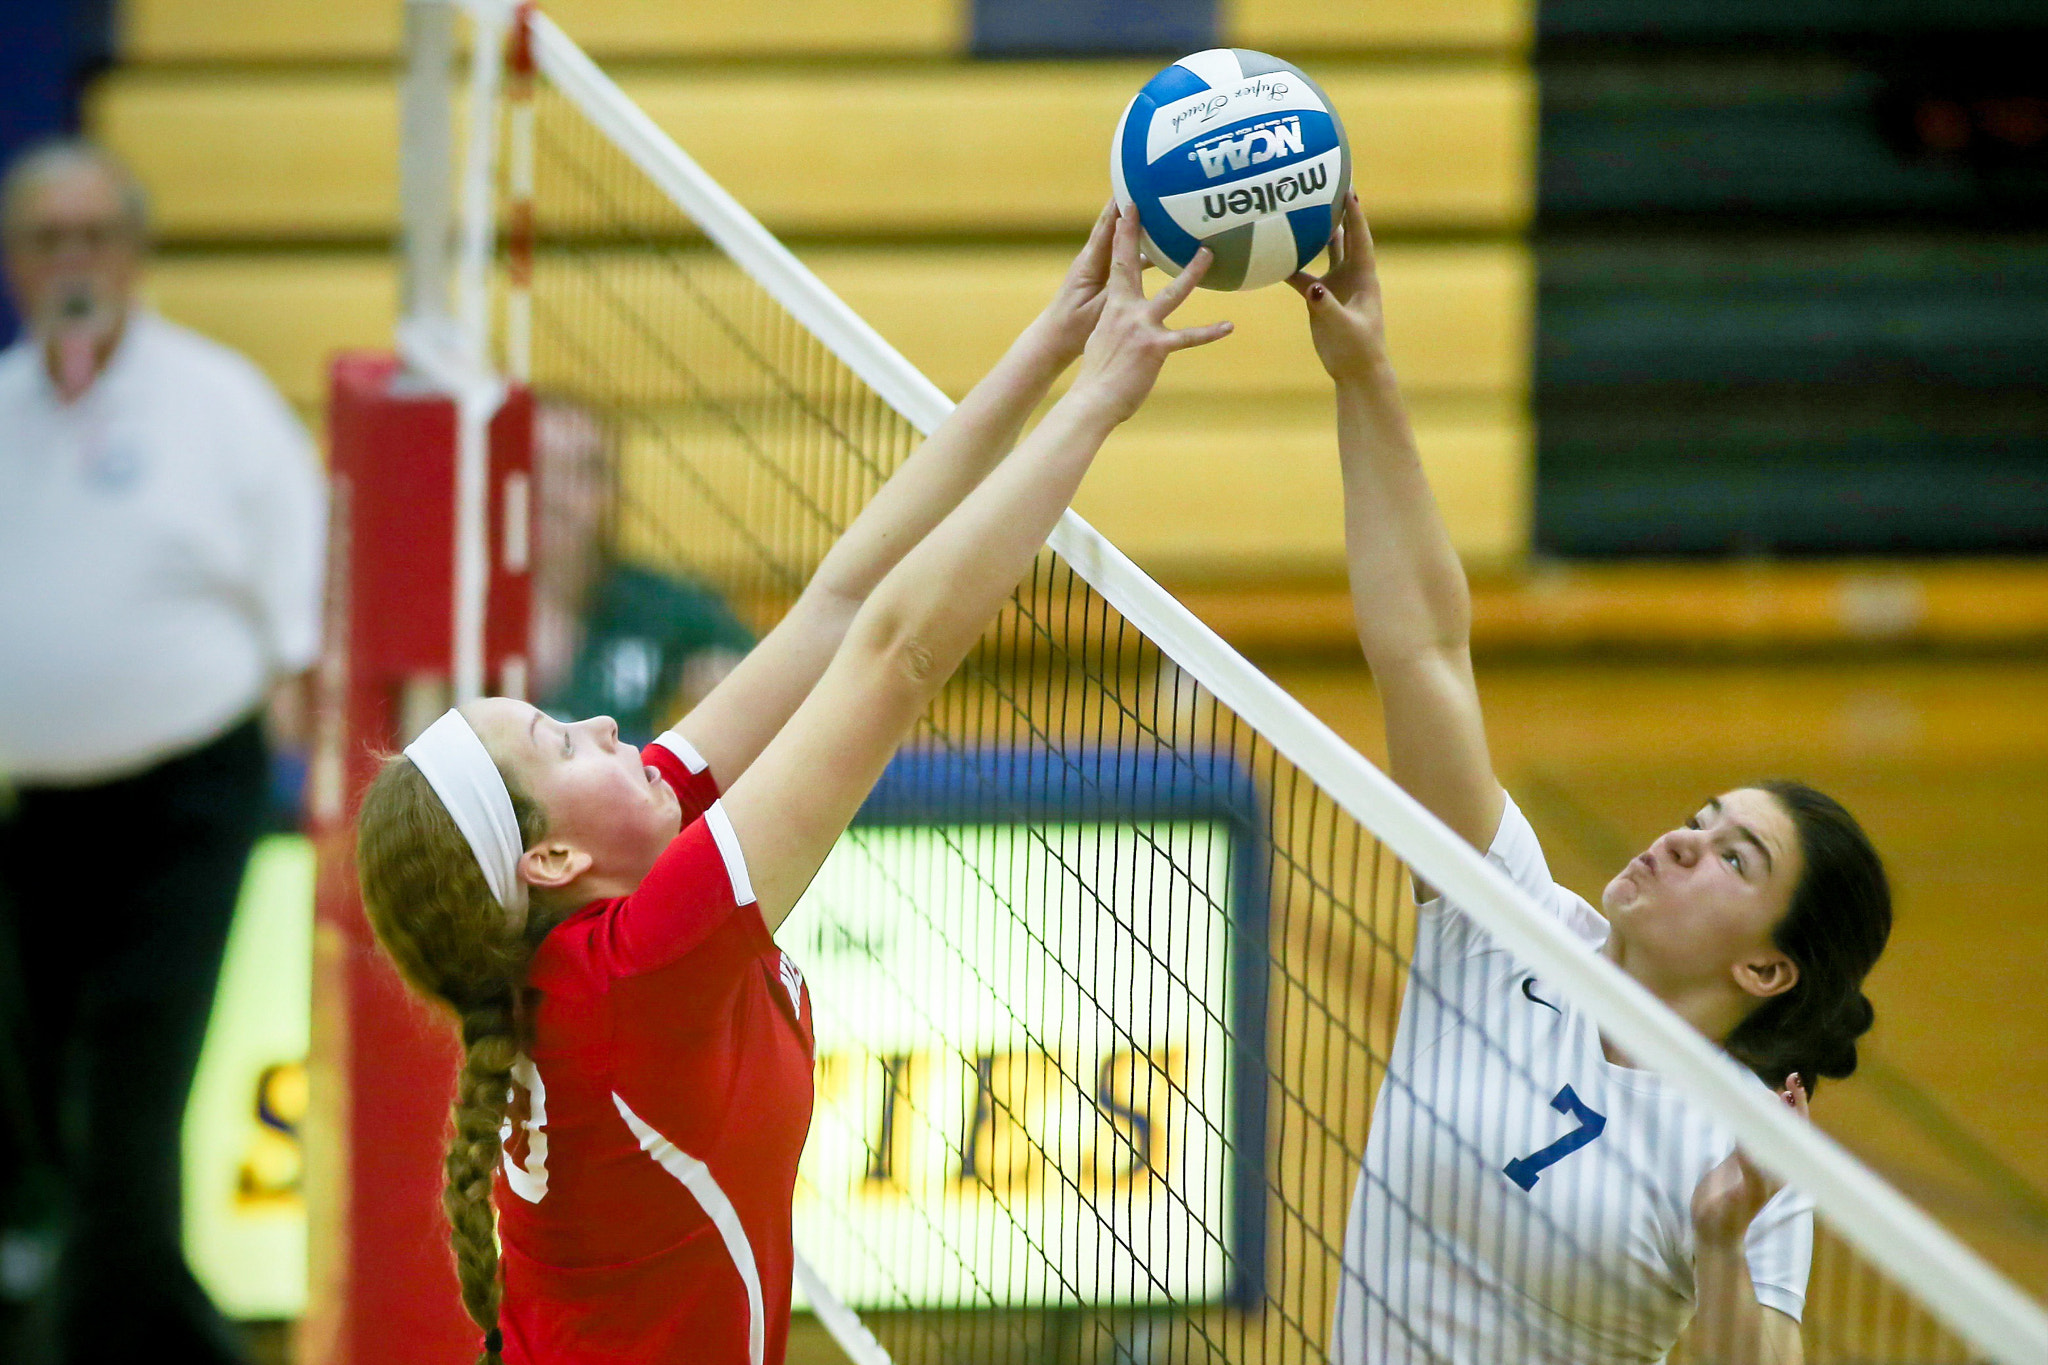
(1524, 1170)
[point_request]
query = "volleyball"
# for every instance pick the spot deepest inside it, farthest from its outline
(1236, 151)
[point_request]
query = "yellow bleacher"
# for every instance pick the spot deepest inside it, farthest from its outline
(332, 30)
(1257, 502)
(268, 140)
(1248, 492)
(289, 312)
(952, 148)
(1459, 314)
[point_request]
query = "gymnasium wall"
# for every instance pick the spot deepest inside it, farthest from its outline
(936, 162)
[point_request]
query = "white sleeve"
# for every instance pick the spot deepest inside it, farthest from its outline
(287, 502)
(1516, 852)
(1780, 1251)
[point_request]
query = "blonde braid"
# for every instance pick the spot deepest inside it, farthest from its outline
(435, 917)
(471, 1162)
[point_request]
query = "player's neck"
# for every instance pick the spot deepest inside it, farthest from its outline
(1713, 1007)
(597, 884)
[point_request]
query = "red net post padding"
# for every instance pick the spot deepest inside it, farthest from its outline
(383, 1063)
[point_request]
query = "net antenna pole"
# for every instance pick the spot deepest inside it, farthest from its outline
(513, 679)
(426, 166)
(490, 24)
(479, 393)
(453, 354)
(519, 220)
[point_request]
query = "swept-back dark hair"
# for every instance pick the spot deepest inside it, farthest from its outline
(1839, 919)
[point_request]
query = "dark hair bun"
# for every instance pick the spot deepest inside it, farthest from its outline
(1834, 1052)
(1834, 930)
(1859, 1015)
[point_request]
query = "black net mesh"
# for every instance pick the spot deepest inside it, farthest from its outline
(1105, 989)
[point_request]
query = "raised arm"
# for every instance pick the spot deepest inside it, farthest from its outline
(1408, 591)
(731, 726)
(919, 623)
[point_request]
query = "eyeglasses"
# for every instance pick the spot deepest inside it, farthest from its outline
(51, 239)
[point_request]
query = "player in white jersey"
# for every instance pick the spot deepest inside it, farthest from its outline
(1527, 1194)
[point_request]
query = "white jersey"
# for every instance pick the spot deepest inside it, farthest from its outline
(1523, 1198)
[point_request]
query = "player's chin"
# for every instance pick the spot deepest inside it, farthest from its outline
(1622, 896)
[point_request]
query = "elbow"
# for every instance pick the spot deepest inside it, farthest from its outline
(1427, 644)
(1448, 594)
(910, 661)
(1454, 626)
(917, 662)
(1448, 621)
(893, 655)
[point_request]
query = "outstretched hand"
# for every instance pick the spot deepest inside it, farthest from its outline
(1077, 303)
(1131, 340)
(1729, 1197)
(1344, 313)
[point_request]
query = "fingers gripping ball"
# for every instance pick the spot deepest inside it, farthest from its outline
(1236, 151)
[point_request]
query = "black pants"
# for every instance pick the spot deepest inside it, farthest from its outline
(115, 904)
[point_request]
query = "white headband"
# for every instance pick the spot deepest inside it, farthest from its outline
(460, 770)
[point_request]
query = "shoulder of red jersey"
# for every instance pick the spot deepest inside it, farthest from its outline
(697, 888)
(685, 770)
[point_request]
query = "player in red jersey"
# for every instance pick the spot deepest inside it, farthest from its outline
(600, 920)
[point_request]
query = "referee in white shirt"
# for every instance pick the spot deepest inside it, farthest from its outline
(162, 532)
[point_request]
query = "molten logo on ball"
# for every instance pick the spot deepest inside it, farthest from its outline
(1265, 198)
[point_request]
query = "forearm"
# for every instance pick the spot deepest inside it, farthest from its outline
(738, 719)
(1408, 594)
(942, 470)
(1408, 589)
(906, 640)
(938, 600)
(1730, 1326)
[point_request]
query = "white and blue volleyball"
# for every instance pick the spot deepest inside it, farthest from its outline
(1236, 151)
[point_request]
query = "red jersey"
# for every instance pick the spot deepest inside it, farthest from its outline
(652, 1146)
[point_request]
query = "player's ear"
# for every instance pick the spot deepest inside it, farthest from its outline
(1766, 974)
(552, 865)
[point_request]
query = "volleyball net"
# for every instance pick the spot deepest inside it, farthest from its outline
(1108, 973)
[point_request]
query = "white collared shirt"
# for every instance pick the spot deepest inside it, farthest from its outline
(162, 542)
